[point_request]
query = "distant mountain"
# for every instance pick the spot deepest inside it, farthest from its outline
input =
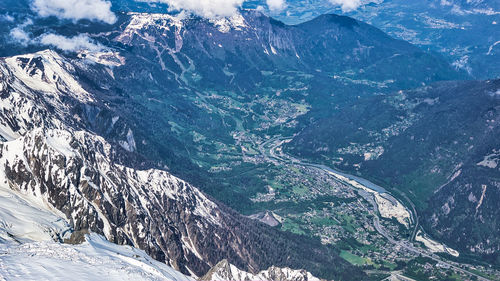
(465, 32)
(252, 42)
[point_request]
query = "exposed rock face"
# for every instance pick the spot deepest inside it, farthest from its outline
(267, 217)
(149, 209)
(226, 271)
(464, 211)
(54, 155)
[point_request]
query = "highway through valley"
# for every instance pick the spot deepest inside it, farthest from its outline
(271, 149)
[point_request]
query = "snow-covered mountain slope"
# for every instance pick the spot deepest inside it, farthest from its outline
(23, 220)
(43, 90)
(225, 271)
(30, 86)
(71, 172)
(95, 259)
(31, 233)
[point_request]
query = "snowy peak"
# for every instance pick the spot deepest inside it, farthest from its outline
(142, 21)
(38, 90)
(47, 72)
(42, 90)
(235, 22)
(166, 22)
(226, 271)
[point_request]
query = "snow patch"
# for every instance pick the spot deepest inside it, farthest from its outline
(224, 25)
(491, 160)
(490, 49)
(483, 193)
(59, 141)
(113, 59)
(95, 259)
(22, 221)
(129, 145)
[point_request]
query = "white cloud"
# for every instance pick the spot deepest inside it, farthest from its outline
(446, 3)
(7, 18)
(95, 10)
(204, 8)
(76, 43)
(347, 5)
(276, 5)
(69, 44)
(19, 35)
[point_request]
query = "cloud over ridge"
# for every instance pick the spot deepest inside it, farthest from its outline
(94, 10)
(276, 5)
(69, 44)
(347, 5)
(204, 8)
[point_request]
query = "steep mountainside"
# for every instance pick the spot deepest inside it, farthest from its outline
(31, 232)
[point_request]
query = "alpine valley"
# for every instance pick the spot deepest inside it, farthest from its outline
(171, 145)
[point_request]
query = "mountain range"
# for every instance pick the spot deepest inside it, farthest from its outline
(158, 135)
